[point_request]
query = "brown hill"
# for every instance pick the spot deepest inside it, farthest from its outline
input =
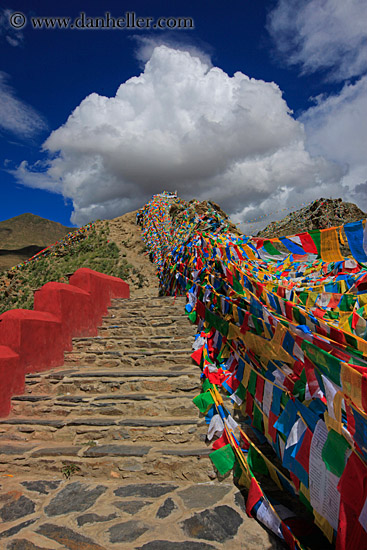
(320, 214)
(23, 236)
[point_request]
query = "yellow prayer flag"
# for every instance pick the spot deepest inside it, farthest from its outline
(351, 383)
(330, 250)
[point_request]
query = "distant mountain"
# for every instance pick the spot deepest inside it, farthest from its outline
(23, 236)
(28, 230)
(320, 214)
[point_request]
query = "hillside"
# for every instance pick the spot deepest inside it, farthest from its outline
(320, 214)
(23, 236)
(113, 247)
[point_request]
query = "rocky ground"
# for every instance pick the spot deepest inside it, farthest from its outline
(320, 214)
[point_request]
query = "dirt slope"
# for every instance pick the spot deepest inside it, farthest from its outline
(127, 236)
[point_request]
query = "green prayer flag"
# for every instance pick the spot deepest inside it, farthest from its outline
(316, 237)
(237, 287)
(258, 418)
(347, 302)
(299, 390)
(270, 249)
(223, 459)
(333, 452)
(258, 325)
(252, 383)
(241, 392)
(217, 322)
(256, 461)
(303, 297)
(305, 502)
(206, 385)
(204, 402)
(324, 361)
(284, 399)
(237, 472)
(192, 316)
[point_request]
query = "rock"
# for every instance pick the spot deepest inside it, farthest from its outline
(90, 422)
(218, 524)
(93, 518)
(23, 544)
(17, 508)
(186, 452)
(56, 451)
(33, 422)
(203, 496)
(131, 506)
(14, 530)
(152, 490)
(166, 509)
(116, 450)
(75, 497)
(240, 501)
(128, 531)
(68, 538)
(168, 545)
(130, 466)
(43, 487)
(14, 449)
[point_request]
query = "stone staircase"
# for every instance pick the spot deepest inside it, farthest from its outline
(108, 451)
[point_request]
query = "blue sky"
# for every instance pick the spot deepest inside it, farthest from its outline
(261, 107)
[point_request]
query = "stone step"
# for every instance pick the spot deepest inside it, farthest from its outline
(150, 304)
(108, 405)
(126, 331)
(107, 429)
(147, 346)
(104, 381)
(128, 359)
(129, 310)
(163, 320)
(115, 351)
(141, 462)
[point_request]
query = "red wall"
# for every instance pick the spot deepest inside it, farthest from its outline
(35, 340)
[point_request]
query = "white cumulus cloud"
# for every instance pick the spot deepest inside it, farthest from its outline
(183, 125)
(329, 35)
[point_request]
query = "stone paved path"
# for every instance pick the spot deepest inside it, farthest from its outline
(108, 450)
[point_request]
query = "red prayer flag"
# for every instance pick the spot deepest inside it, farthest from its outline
(220, 442)
(254, 495)
(288, 537)
(272, 431)
(259, 388)
(229, 277)
(249, 405)
(303, 455)
(197, 355)
(307, 243)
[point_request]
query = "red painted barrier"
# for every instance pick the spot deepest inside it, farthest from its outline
(35, 340)
(35, 336)
(11, 378)
(101, 288)
(71, 305)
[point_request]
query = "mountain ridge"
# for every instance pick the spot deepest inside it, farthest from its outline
(27, 233)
